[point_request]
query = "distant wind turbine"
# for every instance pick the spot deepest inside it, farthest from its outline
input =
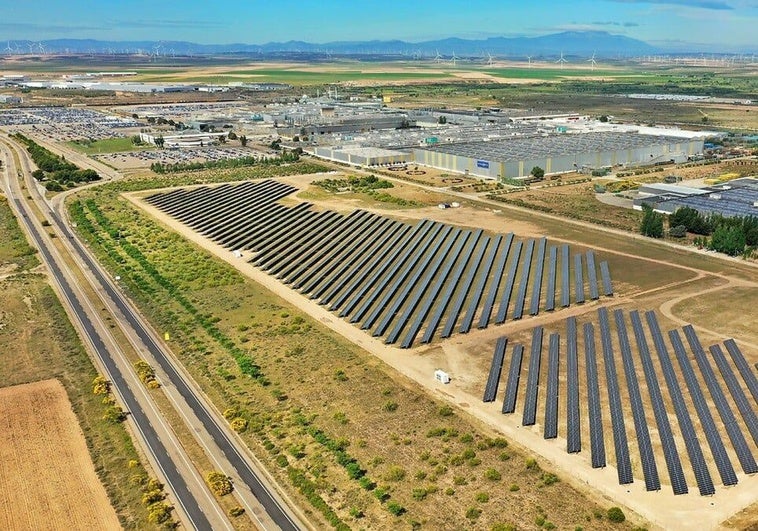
(453, 58)
(490, 59)
(592, 61)
(561, 61)
(529, 58)
(438, 57)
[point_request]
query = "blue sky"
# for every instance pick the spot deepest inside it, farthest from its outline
(727, 23)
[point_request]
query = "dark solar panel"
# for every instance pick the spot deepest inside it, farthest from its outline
(465, 288)
(565, 276)
(746, 459)
(592, 276)
(551, 400)
(620, 442)
(738, 395)
(551, 274)
(534, 307)
(605, 273)
(435, 290)
(514, 375)
(533, 379)
(691, 442)
(670, 453)
(578, 279)
(742, 366)
(723, 463)
(594, 413)
(573, 427)
(509, 280)
(496, 367)
(526, 265)
(454, 282)
(481, 281)
(497, 276)
(649, 468)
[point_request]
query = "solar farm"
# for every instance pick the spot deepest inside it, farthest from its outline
(398, 281)
(643, 411)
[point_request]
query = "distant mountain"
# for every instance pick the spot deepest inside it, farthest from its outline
(582, 43)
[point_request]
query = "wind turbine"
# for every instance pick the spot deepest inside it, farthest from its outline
(453, 58)
(438, 57)
(41, 48)
(490, 59)
(31, 48)
(592, 61)
(8, 50)
(529, 58)
(561, 61)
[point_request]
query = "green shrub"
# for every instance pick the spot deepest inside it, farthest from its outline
(395, 473)
(395, 508)
(445, 411)
(389, 406)
(514, 488)
(492, 474)
(482, 497)
(472, 513)
(616, 515)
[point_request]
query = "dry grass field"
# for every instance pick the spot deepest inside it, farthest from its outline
(48, 480)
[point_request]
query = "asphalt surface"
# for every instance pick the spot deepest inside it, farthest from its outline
(275, 511)
(174, 479)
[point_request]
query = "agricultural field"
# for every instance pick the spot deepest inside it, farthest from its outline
(108, 145)
(48, 480)
(40, 344)
(337, 433)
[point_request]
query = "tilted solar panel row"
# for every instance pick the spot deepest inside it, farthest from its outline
(605, 273)
(691, 442)
(431, 270)
(738, 395)
(496, 368)
(489, 301)
(620, 442)
(573, 427)
(649, 468)
(742, 366)
(723, 463)
(514, 376)
(476, 295)
(534, 307)
(432, 298)
(551, 277)
(565, 276)
(670, 453)
(595, 415)
(746, 459)
(551, 399)
(533, 379)
(578, 279)
(465, 287)
(390, 283)
(592, 276)
(451, 287)
(362, 265)
(526, 265)
(509, 280)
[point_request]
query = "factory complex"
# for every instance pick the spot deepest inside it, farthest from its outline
(737, 198)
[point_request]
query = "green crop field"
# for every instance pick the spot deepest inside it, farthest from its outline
(108, 145)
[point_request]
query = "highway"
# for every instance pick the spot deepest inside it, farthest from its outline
(139, 416)
(252, 486)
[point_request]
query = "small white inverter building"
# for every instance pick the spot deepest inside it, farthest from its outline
(441, 376)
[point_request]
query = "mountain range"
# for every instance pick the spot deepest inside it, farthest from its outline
(582, 43)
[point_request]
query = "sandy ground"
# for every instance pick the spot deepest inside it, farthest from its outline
(47, 480)
(662, 508)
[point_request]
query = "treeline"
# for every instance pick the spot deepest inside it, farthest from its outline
(55, 172)
(289, 156)
(734, 236)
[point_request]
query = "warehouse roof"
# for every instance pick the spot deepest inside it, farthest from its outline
(552, 145)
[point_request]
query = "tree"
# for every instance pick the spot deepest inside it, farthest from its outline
(728, 240)
(159, 141)
(232, 135)
(652, 223)
(537, 172)
(616, 515)
(604, 118)
(243, 140)
(442, 120)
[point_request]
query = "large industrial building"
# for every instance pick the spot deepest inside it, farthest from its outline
(736, 198)
(557, 153)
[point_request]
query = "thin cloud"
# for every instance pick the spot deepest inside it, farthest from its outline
(19, 27)
(700, 4)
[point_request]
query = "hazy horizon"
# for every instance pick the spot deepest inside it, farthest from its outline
(722, 24)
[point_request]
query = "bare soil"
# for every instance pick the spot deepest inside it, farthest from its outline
(48, 480)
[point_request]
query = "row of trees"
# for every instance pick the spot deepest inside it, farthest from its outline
(734, 236)
(55, 172)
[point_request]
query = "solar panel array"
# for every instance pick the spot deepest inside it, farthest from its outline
(392, 279)
(690, 433)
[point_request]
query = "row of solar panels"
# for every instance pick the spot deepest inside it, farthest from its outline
(390, 277)
(638, 406)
